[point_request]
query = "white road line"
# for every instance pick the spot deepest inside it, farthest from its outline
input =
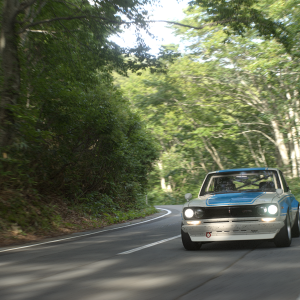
(149, 245)
(86, 234)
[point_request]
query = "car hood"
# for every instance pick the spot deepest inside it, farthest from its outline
(229, 199)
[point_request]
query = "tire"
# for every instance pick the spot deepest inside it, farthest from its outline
(187, 242)
(284, 236)
(296, 226)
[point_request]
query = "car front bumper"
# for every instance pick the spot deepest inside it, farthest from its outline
(213, 230)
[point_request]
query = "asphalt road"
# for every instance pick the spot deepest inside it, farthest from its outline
(92, 267)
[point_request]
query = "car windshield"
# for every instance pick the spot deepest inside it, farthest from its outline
(237, 182)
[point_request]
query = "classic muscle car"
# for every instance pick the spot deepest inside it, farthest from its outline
(241, 204)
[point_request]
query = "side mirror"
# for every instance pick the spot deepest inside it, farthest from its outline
(188, 196)
(279, 191)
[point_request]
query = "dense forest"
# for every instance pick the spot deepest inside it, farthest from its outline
(230, 100)
(67, 132)
(101, 127)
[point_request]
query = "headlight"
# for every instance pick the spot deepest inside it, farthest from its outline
(262, 210)
(199, 213)
(272, 209)
(267, 210)
(189, 213)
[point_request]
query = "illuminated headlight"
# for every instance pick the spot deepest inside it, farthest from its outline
(189, 213)
(272, 209)
(267, 210)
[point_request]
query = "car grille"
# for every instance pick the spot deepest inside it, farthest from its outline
(230, 212)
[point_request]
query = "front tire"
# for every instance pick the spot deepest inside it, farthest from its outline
(296, 226)
(284, 236)
(188, 244)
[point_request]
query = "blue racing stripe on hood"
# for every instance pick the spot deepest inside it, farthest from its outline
(233, 199)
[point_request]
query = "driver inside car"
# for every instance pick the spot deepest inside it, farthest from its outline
(224, 184)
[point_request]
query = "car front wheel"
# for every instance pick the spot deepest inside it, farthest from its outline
(296, 226)
(284, 236)
(188, 244)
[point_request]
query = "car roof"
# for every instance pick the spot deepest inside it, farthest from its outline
(243, 169)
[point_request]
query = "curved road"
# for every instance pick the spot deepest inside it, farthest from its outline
(128, 263)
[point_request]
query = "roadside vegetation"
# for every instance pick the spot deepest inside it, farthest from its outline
(230, 100)
(27, 218)
(90, 130)
(73, 153)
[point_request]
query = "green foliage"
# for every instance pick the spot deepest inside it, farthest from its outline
(294, 185)
(238, 16)
(197, 133)
(231, 101)
(76, 135)
(29, 213)
(80, 143)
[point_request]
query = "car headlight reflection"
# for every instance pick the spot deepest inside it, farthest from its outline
(189, 213)
(272, 209)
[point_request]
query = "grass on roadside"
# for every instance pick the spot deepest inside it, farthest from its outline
(26, 217)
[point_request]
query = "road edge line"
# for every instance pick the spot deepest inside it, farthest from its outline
(87, 234)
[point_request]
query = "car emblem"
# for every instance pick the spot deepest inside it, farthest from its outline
(229, 210)
(208, 234)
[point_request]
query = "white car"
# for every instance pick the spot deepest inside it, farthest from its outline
(241, 204)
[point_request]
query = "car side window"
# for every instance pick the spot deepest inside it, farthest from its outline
(285, 186)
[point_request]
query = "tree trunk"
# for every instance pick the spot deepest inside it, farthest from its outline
(282, 148)
(294, 119)
(213, 152)
(162, 178)
(297, 132)
(11, 70)
(257, 164)
(292, 156)
(262, 154)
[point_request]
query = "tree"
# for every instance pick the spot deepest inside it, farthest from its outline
(265, 76)
(89, 25)
(198, 124)
(269, 20)
(66, 129)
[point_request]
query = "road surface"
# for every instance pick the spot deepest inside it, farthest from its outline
(148, 261)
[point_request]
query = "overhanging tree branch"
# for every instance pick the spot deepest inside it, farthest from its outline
(193, 27)
(122, 22)
(69, 18)
(254, 130)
